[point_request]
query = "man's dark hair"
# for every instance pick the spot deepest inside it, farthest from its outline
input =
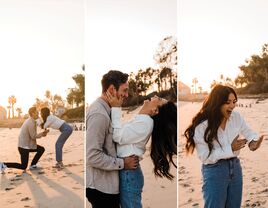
(115, 78)
(32, 110)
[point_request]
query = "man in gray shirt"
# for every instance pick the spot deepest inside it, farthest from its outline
(27, 143)
(102, 164)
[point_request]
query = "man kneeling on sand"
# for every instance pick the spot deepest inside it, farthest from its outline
(27, 143)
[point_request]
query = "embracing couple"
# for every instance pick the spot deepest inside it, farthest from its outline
(113, 150)
(27, 141)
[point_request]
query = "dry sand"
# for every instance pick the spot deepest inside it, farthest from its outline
(254, 164)
(47, 187)
(157, 192)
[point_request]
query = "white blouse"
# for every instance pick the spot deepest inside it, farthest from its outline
(235, 125)
(53, 122)
(131, 137)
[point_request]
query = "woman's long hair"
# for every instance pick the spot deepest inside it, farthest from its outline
(45, 112)
(210, 111)
(164, 140)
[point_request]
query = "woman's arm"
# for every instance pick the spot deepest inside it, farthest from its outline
(134, 131)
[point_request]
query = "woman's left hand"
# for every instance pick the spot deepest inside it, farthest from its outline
(254, 145)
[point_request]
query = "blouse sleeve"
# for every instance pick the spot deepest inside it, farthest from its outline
(133, 131)
(246, 131)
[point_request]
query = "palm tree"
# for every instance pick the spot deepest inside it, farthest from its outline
(194, 81)
(12, 100)
(9, 107)
(19, 111)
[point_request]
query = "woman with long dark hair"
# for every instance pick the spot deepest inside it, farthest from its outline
(214, 133)
(157, 119)
(51, 121)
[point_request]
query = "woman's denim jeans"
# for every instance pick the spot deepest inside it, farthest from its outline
(66, 130)
(222, 184)
(131, 184)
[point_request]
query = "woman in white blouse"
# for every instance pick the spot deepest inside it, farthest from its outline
(156, 119)
(214, 133)
(51, 121)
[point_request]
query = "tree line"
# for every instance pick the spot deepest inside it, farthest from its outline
(157, 80)
(75, 98)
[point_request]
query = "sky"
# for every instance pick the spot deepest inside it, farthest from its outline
(41, 48)
(123, 35)
(216, 37)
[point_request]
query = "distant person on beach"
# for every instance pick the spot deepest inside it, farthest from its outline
(27, 143)
(102, 163)
(51, 121)
(157, 119)
(214, 132)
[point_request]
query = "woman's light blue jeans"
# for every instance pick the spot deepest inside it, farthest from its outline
(222, 184)
(131, 184)
(66, 130)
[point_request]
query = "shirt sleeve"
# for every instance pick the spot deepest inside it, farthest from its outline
(202, 149)
(246, 131)
(48, 122)
(95, 136)
(134, 131)
(32, 130)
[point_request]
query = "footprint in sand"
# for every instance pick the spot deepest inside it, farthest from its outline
(195, 205)
(185, 185)
(264, 191)
(254, 179)
(191, 190)
(16, 179)
(25, 199)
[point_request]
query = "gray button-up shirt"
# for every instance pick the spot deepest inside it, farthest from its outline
(102, 165)
(28, 134)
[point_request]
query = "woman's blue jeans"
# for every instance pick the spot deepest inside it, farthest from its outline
(222, 184)
(131, 184)
(66, 130)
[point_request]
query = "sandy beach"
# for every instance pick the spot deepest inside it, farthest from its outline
(157, 192)
(47, 187)
(254, 164)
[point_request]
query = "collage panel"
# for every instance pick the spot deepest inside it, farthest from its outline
(222, 104)
(131, 96)
(42, 103)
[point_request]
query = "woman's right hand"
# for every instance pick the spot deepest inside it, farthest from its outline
(238, 144)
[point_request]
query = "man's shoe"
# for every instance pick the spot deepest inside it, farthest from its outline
(2, 167)
(35, 167)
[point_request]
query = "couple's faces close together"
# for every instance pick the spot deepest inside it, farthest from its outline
(153, 104)
(228, 107)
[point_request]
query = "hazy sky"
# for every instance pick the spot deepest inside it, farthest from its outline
(123, 35)
(215, 37)
(41, 48)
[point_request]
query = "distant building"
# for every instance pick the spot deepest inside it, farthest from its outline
(3, 113)
(184, 90)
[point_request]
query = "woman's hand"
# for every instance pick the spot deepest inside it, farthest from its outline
(238, 144)
(253, 145)
(113, 100)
